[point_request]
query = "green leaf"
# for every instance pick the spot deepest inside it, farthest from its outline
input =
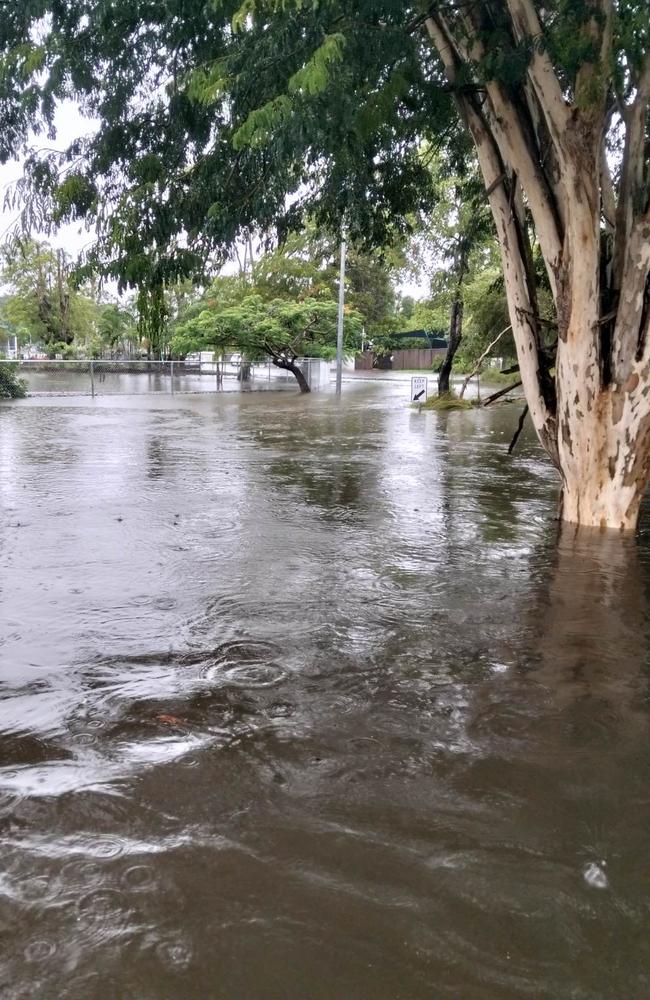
(315, 75)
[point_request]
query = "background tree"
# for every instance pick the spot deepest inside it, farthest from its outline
(308, 263)
(117, 328)
(43, 302)
(280, 329)
(453, 242)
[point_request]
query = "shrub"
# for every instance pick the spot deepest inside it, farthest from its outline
(11, 387)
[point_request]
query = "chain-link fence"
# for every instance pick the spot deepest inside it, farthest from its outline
(134, 377)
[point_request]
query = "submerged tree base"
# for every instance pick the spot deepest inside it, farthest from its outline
(448, 401)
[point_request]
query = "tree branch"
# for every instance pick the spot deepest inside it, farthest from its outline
(632, 166)
(502, 392)
(520, 427)
(542, 73)
(507, 225)
(477, 367)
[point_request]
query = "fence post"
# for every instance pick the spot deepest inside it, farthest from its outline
(92, 379)
(171, 369)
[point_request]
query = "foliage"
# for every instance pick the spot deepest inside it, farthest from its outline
(282, 329)
(288, 297)
(43, 301)
(205, 131)
(115, 324)
(308, 263)
(46, 307)
(11, 387)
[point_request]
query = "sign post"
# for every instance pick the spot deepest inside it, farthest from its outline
(419, 385)
(339, 325)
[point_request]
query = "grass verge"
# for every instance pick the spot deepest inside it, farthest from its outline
(448, 401)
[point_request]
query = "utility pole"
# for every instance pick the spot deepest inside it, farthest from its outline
(339, 327)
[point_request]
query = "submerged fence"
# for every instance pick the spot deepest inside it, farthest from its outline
(133, 377)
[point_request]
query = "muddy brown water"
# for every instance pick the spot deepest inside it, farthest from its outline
(300, 700)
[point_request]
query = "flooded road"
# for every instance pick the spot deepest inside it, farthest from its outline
(303, 701)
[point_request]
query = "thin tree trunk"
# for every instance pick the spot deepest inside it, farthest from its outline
(455, 337)
(299, 376)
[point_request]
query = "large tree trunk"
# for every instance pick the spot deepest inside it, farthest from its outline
(603, 429)
(544, 158)
(602, 371)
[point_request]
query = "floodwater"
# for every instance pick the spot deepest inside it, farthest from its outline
(71, 379)
(306, 701)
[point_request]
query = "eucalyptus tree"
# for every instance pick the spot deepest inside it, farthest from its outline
(211, 115)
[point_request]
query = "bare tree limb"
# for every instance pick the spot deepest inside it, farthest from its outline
(520, 427)
(502, 392)
(477, 366)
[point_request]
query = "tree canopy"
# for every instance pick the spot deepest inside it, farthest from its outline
(284, 307)
(280, 329)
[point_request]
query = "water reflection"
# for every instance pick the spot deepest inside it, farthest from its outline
(593, 642)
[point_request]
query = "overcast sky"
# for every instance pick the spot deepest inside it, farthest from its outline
(69, 125)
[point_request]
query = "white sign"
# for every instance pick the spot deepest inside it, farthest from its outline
(419, 389)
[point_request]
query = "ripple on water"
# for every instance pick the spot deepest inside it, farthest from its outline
(86, 850)
(255, 675)
(163, 603)
(243, 651)
(34, 889)
(175, 952)
(103, 915)
(100, 903)
(85, 739)
(39, 951)
(139, 878)
(80, 871)
(104, 847)
(245, 663)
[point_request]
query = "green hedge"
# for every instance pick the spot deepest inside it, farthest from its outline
(11, 387)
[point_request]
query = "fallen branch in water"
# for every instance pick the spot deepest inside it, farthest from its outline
(477, 366)
(497, 395)
(520, 427)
